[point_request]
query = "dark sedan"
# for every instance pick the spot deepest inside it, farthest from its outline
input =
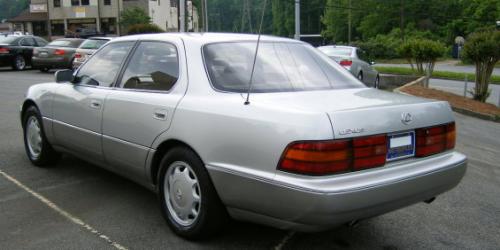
(58, 54)
(16, 51)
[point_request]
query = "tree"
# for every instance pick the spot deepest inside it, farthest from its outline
(134, 15)
(144, 28)
(483, 49)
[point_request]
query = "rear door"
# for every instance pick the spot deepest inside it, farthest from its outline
(27, 45)
(143, 103)
(78, 106)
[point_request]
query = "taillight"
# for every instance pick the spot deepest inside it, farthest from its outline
(335, 156)
(435, 140)
(59, 52)
(78, 55)
(4, 51)
(346, 63)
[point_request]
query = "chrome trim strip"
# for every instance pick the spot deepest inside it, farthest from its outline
(125, 142)
(75, 127)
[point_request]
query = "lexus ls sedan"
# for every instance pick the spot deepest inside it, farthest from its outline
(311, 149)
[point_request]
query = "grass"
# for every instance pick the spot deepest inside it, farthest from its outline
(495, 79)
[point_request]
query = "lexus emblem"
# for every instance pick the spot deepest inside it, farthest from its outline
(406, 118)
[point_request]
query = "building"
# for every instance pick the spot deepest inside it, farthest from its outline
(33, 20)
(165, 14)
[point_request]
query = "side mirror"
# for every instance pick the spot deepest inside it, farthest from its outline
(65, 75)
(372, 63)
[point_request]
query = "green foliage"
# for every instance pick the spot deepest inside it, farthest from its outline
(483, 49)
(144, 28)
(12, 8)
(134, 15)
(422, 52)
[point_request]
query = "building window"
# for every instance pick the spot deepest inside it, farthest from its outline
(108, 25)
(85, 2)
(75, 2)
(57, 3)
(57, 27)
(173, 3)
(107, 2)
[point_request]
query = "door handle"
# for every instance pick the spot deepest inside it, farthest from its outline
(95, 104)
(160, 114)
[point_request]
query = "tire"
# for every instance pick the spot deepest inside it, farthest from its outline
(189, 188)
(38, 148)
(19, 63)
(376, 84)
(44, 69)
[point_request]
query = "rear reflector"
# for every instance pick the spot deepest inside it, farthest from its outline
(4, 51)
(346, 63)
(335, 156)
(78, 55)
(435, 140)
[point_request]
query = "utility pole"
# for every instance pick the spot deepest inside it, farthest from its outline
(297, 19)
(349, 23)
(402, 24)
(182, 16)
(206, 15)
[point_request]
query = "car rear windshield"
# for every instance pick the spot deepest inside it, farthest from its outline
(93, 43)
(8, 39)
(336, 51)
(279, 67)
(65, 43)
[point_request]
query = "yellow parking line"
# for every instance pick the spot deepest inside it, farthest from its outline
(62, 212)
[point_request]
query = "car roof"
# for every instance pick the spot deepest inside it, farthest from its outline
(99, 38)
(338, 46)
(207, 37)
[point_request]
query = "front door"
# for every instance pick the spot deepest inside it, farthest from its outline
(142, 106)
(78, 106)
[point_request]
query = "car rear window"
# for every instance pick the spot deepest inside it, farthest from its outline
(336, 51)
(8, 39)
(93, 43)
(280, 67)
(65, 43)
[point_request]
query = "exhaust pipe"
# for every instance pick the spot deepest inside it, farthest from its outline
(429, 201)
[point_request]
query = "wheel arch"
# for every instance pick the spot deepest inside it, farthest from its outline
(26, 104)
(161, 150)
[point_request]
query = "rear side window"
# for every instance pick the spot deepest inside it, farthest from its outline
(280, 67)
(93, 43)
(41, 42)
(154, 66)
(27, 42)
(102, 68)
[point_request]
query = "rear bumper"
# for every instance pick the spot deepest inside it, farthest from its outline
(316, 203)
(51, 62)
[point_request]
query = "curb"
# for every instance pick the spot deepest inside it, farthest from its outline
(463, 111)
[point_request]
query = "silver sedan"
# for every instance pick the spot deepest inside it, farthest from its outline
(312, 148)
(356, 61)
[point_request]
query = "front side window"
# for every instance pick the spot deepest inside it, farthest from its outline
(102, 68)
(154, 66)
(280, 67)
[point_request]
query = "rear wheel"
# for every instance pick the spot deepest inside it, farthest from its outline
(37, 147)
(360, 76)
(376, 84)
(19, 63)
(188, 200)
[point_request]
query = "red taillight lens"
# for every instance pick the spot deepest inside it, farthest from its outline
(434, 140)
(346, 63)
(59, 52)
(78, 55)
(370, 151)
(4, 51)
(336, 156)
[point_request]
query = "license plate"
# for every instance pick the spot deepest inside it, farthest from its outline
(43, 54)
(401, 145)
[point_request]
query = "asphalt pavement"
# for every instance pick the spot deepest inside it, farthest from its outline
(444, 66)
(75, 205)
(457, 87)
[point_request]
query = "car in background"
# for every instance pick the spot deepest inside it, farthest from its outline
(354, 60)
(87, 48)
(83, 33)
(16, 51)
(57, 54)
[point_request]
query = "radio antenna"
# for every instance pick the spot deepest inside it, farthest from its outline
(255, 55)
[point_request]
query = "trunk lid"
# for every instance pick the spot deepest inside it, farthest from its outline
(363, 111)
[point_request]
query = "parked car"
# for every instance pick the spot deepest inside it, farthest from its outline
(356, 61)
(16, 51)
(57, 54)
(311, 149)
(83, 33)
(87, 48)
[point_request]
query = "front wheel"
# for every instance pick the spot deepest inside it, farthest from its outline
(376, 84)
(38, 149)
(188, 200)
(360, 76)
